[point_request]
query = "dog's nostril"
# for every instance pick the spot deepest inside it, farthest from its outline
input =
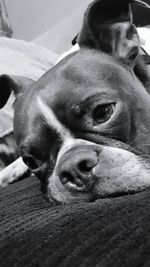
(85, 166)
(66, 177)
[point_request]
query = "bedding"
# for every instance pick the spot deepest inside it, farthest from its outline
(107, 233)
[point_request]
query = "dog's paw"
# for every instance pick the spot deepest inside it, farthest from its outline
(13, 172)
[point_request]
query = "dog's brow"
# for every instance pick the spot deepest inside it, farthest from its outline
(52, 120)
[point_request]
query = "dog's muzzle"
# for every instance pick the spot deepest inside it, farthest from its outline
(87, 171)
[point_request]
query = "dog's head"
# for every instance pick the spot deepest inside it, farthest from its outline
(84, 127)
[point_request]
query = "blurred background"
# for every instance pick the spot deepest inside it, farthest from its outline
(30, 18)
(46, 22)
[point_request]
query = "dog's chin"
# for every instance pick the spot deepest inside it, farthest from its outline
(118, 172)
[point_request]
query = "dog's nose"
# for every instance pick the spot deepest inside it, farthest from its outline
(75, 169)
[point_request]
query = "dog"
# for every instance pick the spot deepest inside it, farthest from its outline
(84, 127)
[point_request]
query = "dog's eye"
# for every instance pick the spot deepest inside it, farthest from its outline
(103, 113)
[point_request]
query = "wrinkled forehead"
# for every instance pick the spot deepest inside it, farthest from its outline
(86, 74)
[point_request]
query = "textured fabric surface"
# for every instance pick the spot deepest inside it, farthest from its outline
(25, 59)
(110, 232)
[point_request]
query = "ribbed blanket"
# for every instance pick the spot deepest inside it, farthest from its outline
(109, 232)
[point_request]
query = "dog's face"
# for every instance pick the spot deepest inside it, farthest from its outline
(84, 127)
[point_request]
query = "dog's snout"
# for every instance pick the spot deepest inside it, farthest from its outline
(75, 169)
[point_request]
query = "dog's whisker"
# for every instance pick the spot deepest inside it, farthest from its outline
(135, 139)
(141, 145)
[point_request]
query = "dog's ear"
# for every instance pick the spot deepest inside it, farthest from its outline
(108, 27)
(8, 84)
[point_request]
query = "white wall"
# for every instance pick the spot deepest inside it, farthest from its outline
(30, 18)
